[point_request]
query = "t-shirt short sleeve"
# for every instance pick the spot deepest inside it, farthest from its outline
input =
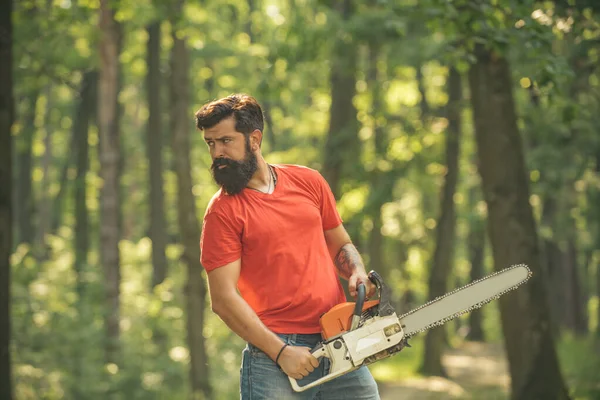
(220, 242)
(329, 213)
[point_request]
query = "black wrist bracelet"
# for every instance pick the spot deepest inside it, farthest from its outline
(279, 354)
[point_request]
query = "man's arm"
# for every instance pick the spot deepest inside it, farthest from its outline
(240, 318)
(347, 259)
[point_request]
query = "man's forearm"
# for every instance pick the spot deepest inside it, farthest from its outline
(242, 319)
(348, 261)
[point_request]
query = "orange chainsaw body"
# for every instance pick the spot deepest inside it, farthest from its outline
(339, 318)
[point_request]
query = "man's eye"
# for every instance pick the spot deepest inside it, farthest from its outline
(210, 144)
(226, 140)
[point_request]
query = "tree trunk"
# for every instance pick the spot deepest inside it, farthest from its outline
(598, 297)
(6, 120)
(264, 86)
(24, 207)
(552, 257)
(24, 195)
(56, 215)
(444, 250)
(57, 202)
(110, 166)
(476, 249)
(84, 113)
(248, 24)
(158, 230)
(597, 209)
(44, 200)
(576, 313)
(525, 317)
(381, 187)
(342, 147)
(269, 125)
(189, 227)
(424, 103)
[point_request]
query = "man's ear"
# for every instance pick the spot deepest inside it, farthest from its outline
(255, 139)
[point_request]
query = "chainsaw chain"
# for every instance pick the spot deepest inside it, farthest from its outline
(473, 307)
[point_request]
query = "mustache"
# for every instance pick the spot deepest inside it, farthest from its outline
(223, 161)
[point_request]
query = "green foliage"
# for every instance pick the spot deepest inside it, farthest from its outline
(59, 338)
(280, 51)
(580, 367)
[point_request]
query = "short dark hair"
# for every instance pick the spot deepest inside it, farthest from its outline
(245, 109)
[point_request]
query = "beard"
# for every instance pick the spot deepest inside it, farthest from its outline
(235, 175)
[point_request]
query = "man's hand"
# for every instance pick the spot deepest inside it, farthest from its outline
(360, 277)
(297, 362)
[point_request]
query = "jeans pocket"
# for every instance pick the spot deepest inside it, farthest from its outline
(245, 388)
(258, 353)
(255, 352)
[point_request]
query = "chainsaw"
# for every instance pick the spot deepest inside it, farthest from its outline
(363, 332)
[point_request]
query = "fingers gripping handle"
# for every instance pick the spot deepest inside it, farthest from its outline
(340, 364)
(318, 352)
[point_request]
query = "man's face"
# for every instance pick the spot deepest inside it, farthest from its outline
(234, 163)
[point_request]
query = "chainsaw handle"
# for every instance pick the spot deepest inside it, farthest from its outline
(360, 301)
(320, 350)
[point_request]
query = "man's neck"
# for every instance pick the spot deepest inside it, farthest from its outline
(262, 179)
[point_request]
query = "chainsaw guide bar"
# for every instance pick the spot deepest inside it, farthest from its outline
(463, 300)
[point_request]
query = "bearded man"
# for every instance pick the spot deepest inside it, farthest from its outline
(273, 246)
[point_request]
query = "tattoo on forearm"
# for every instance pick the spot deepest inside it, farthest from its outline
(348, 260)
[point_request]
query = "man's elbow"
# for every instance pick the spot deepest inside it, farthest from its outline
(218, 305)
(215, 306)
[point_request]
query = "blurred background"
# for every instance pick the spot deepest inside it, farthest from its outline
(459, 137)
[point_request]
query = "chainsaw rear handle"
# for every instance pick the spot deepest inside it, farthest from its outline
(340, 363)
(318, 352)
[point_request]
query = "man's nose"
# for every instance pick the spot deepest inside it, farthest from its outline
(218, 150)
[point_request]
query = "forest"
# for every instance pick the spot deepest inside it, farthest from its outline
(459, 138)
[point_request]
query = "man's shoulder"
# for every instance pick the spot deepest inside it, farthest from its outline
(301, 171)
(220, 202)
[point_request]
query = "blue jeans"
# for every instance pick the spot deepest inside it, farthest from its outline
(261, 378)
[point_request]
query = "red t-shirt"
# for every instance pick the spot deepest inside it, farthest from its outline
(287, 275)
